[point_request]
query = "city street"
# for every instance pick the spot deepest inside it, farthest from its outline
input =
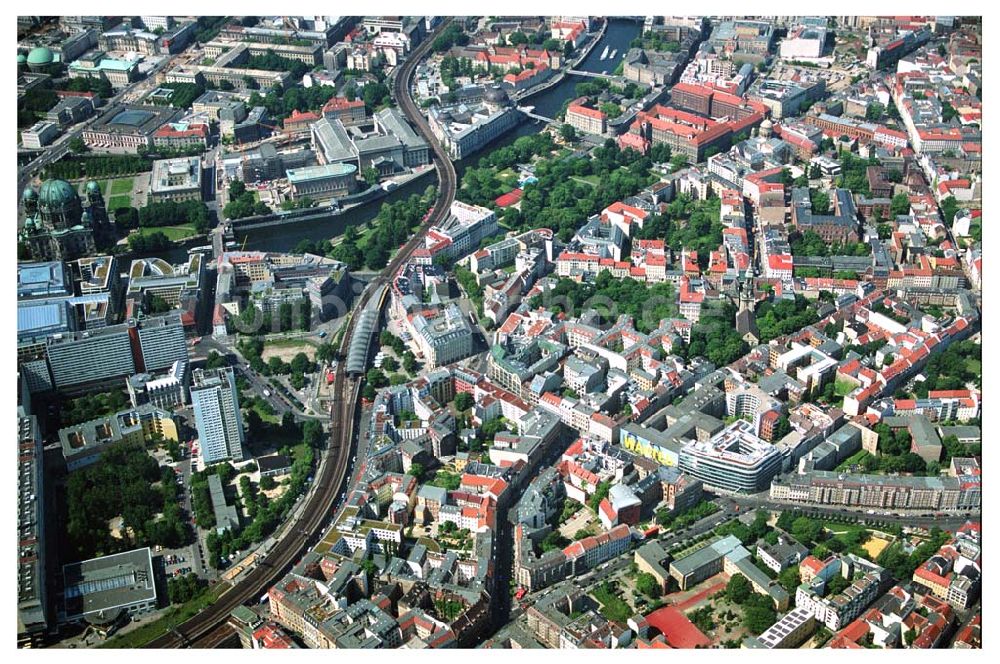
(913, 518)
(192, 555)
(725, 253)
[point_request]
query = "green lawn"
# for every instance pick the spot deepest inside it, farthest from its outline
(853, 459)
(842, 388)
(173, 617)
(590, 179)
(121, 186)
(841, 530)
(508, 177)
(974, 366)
(173, 233)
(264, 415)
(613, 607)
(298, 451)
(121, 201)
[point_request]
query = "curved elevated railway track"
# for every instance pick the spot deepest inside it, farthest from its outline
(209, 628)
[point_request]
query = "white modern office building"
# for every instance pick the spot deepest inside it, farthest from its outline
(734, 459)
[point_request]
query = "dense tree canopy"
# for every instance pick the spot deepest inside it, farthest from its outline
(811, 244)
(611, 297)
(270, 61)
(562, 198)
(126, 482)
(775, 319)
(148, 243)
(451, 36)
(854, 174)
(98, 166)
(171, 213)
(953, 369)
(242, 202)
(715, 338)
(184, 94)
(687, 224)
(902, 565)
(393, 226)
(266, 514)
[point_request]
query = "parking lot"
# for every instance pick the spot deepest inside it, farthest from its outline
(190, 558)
(176, 564)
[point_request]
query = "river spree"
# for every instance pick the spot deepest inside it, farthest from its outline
(547, 103)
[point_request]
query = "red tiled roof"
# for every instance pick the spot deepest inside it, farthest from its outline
(780, 262)
(594, 113)
(341, 103)
(678, 631)
(526, 74)
(621, 208)
(575, 449)
(298, 118)
(168, 131)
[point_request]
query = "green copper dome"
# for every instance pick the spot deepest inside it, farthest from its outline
(56, 194)
(40, 56)
(21, 58)
(93, 187)
(29, 194)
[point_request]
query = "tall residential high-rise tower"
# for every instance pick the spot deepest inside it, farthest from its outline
(217, 415)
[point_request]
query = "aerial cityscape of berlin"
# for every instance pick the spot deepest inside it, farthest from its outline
(503, 332)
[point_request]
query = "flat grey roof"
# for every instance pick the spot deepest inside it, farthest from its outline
(394, 123)
(111, 582)
(225, 515)
(334, 141)
(705, 555)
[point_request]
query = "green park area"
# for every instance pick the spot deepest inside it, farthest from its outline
(121, 186)
(119, 193)
(508, 177)
(173, 233)
(853, 460)
(592, 180)
(113, 187)
(116, 202)
(613, 607)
